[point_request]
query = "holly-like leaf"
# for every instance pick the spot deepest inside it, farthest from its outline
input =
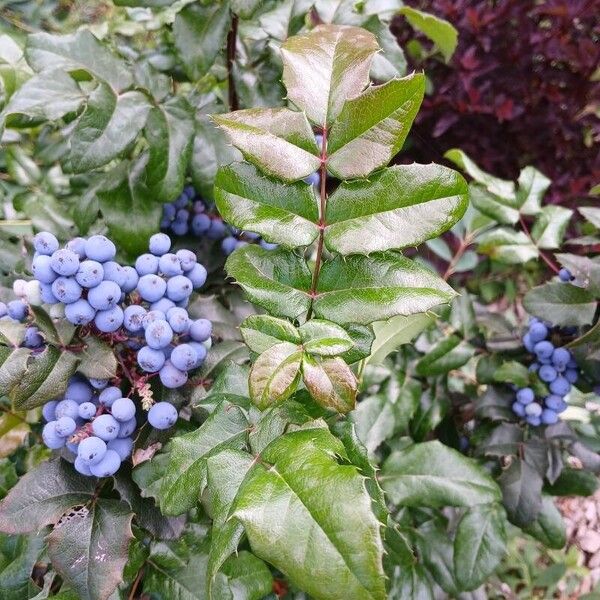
(549, 527)
(311, 546)
(324, 338)
(45, 376)
(431, 474)
(512, 372)
(18, 556)
(325, 67)
(47, 96)
(383, 284)
(43, 495)
(279, 141)
(277, 280)
(447, 354)
(521, 488)
(439, 31)
(375, 421)
(177, 476)
(13, 432)
(479, 545)
(398, 207)
(549, 228)
(507, 246)
(501, 209)
(261, 332)
(98, 360)
(168, 131)
(108, 125)
(330, 382)
(371, 128)
(532, 187)
(275, 374)
(199, 33)
(77, 52)
(282, 213)
(88, 547)
(561, 303)
(437, 553)
(591, 214)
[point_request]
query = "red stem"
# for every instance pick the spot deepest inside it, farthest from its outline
(550, 264)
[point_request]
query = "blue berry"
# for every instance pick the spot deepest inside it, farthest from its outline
(151, 316)
(123, 409)
(150, 360)
(80, 312)
(228, 245)
(45, 243)
(200, 330)
(127, 428)
(113, 271)
(547, 373)
(162, 415)
(81, 467)
(133, 316)
(91, 450)
(527, 342)
(197, 275)
(518, 409)
(533, 420)
(42, 269)
(146, 264)
(179, 228)
(184, 357)
(268, 246)
(181, 201)
(77, 245)
(159, 244)
(151, 287)
(200, 352)
(187, 259)
(572, 375)
(32, 338)
(159, 334)
(79, 392)
(51, 437)
(182, 215)
(561, 358)
(64, 262)
(549, 417)
(67, 408)
(46, 294)
(201, 224)
(216, 230)
(3, 310)
(48, 412)
(98, 384)
(109, 395)
(108, 321)
(108, 466)
(100, 248)
(169, 211)
(560, 386)
(543, 350)
(172, 377)
(525, 395)
(90, 273)
(163, 305)
(17, 310)
(87, 410)
(131, 279)
(178, 319)
(538, 332)
(122, 446)
(179, 288)
(533, 409)
(65, 426)
(104, 296)
(534, 367)
(169, 265)
(565, 275)
(66, 290)
(313, 178)
(106, 427)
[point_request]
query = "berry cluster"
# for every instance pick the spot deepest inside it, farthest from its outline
(95, 423)
(143, 306)
(189, 214)
(16, 310)
(555, 368)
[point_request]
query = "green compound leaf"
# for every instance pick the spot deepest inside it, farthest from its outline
(108, 125)
(324, 338)
(261, 332)
(447, 354)
(301, 492)
(89, 547)
(371, 128)
(47, 96)
(275, 374)
(479, 545)
(591, 214)
(282, 213)
(325, 67)
(199, 33)
(498, 208)
(168, 131)
(549, 527)
(507, 246)
(532, 187)
(330, 382)
(561, 303)
(363, 289)
(277, 280)
(177, 476)
(439, 31)
(278, 141)
(434, 475)
(398, 207)
(521, 488)
(43, 495)
(75, 53)
(549, 228)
